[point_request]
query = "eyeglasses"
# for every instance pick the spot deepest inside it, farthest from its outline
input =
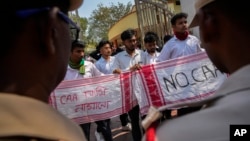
(73, 27)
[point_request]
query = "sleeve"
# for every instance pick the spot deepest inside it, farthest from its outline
(97, 65)
(115, 65)
(165, 53)
(198, 47)
(143, 58)
(95, 71)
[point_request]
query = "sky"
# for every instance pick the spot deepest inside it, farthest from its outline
(89, 5)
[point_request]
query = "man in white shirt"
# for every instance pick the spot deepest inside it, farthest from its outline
(150, 41)
(181, 44)
(79, 68)
(130, 60)
(224, 29)
(104, 65)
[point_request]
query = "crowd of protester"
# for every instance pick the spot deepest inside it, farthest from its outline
(38, 34)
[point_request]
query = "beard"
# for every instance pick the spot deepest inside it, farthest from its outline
(131, 48)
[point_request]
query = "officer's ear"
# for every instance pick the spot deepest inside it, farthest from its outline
(50, 35)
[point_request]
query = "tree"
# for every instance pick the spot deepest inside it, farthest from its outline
(102, 18)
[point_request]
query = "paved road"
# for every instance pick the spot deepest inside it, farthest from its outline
(118, 134)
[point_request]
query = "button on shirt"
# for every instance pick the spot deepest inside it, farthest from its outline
(105, 66)
(124, 61)
(175, 48)
(90, 71)
(151, 59)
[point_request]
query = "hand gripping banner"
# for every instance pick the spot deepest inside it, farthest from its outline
(183, 80)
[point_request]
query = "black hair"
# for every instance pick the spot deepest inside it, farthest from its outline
(102, 43)
(127, 34)
(151, 37)
(178, 16)
(166, 38)
(79, 44)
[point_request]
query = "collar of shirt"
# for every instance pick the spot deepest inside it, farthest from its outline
(137, 52)
(104, 60)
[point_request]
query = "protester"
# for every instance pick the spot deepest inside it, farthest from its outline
(130, 59)
(104, 65)
(224, 31)
(150, 41)
(79, 68)
(181, 44)
(116, 50)
(35, 38)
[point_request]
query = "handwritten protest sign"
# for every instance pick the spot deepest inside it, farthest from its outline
(91, 99)
(185, 79)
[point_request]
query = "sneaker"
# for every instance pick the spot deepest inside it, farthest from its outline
(99, 136)
(127, 127)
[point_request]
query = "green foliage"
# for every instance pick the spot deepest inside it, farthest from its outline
(102, 18)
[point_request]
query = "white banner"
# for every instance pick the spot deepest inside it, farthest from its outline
(185, 79)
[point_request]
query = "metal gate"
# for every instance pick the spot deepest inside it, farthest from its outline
(153, 15)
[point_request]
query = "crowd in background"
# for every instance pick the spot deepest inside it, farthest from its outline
(37, 54)
(108, 59)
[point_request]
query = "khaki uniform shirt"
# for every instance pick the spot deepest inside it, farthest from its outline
(228, 106)
(26, 117)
